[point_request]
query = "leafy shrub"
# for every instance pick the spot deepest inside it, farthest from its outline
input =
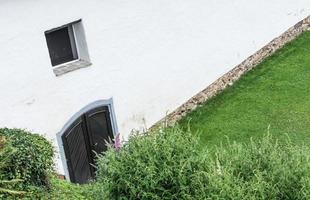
(260, 170)
(32, 159)
(161, 165)
(5, 185)
(167, 165)
(29, 157)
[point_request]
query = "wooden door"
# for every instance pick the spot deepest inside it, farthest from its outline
(83, 140)
(99, 128)
(76, 148)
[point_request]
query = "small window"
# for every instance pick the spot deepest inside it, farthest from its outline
(67, 47)
(61, 45)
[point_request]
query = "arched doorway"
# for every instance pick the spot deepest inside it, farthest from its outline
(85, 136)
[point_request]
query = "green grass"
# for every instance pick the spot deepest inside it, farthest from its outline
(275, 93)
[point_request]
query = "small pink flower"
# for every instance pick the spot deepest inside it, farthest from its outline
(117, 142)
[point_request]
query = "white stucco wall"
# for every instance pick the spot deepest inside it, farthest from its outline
(150, 56)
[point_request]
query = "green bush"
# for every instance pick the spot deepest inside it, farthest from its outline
(260, 169)
(161, 165)
(5, 185)
(167, 165)
(26, 162)
(32, 159)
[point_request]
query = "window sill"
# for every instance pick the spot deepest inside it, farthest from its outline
(70, 66)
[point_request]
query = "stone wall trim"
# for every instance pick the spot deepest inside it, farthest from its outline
(233, 75)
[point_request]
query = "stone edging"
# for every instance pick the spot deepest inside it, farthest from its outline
(230, 77)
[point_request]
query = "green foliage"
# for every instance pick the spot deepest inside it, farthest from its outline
(26, 162)
(61, 189)
(31, 160)
(159, 165)
(262, 169)
(5, 152)
(167, 165)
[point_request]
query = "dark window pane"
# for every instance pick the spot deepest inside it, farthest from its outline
(60, 46)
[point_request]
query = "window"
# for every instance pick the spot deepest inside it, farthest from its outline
(67, 47)
(61, 45)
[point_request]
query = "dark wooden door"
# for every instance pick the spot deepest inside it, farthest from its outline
(77, 152)
(86, 137)
(99, 128)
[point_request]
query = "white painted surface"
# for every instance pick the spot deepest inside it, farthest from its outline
(150, 56)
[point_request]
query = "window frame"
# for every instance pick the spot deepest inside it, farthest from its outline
(78, 42)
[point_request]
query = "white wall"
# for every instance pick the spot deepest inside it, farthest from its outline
(150, 56)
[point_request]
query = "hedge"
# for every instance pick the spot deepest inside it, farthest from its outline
(32, 159)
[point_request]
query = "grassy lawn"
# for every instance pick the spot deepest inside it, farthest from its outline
(275, 93)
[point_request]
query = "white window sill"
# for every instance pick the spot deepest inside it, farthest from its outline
(70, 66)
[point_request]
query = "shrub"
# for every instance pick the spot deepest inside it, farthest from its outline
(260, 169)
(167, 165)
(5, 185)
(32, 159)
(161, 165)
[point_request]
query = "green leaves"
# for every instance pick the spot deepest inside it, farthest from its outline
(5, 183)
(152, 166)
(166, 164)
(30, 159)
(6, 151)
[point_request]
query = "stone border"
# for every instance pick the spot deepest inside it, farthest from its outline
(230, 77)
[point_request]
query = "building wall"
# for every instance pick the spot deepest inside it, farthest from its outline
(150, 56)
